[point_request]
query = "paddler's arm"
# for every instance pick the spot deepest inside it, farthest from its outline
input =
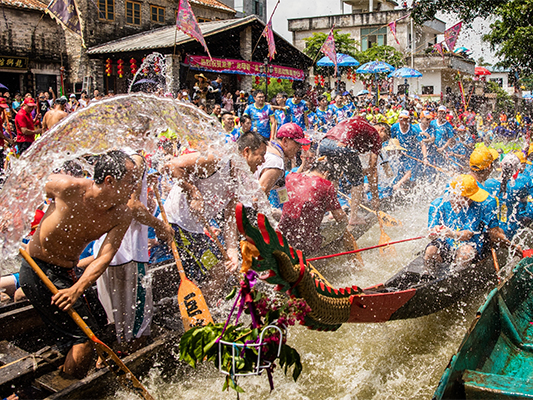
(446, 145)
(268, 178)
(230, 236)
(497, 236)
(424, 152)
(373, 180)
(273, 127)
(65, 298)
(184, 168)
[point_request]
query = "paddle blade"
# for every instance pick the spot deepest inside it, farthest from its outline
(193, 308)
(350, 244)
(124, 375)
(389, 251)
(389, 220)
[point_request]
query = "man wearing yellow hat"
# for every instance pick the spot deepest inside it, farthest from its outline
(457, 226)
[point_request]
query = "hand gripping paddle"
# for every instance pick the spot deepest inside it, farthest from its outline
(193, 308)
(115, 364)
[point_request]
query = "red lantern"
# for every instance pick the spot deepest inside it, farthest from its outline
(133, 66)
(279, 80)
(157, 68)
(317, 79)
(268, 81)
(145, 70)
(257, 80)
(120, 68)
(108, 67)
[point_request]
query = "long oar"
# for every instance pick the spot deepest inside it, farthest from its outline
(385, 240)
(364, 249)
(193, 308)
(388, 220)
(496, 264)
(115, 364)
(430, 165)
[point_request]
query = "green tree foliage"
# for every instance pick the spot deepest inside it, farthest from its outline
(482, 63)
(387, 54)
(503, 100)
(274, 87)
(467, 11)
(343, 44)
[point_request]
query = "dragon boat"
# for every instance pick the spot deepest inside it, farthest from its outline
(495, 359)
(408, 294)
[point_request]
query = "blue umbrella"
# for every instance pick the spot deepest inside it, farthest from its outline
(405, 73)
(343, 60)
(3, 87)
(461, 49)
(375, 67)
(362, 92)
(528, 96)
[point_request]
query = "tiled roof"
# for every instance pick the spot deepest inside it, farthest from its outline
(29, 4)
(213, 4)
(164, 37)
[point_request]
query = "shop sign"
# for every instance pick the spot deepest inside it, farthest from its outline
(14, 62)
(242, 67)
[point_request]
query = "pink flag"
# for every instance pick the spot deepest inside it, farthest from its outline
(186, 22)
(328, 48)
(438, 47)
(268, 33)
(450, 35)
(392, 27)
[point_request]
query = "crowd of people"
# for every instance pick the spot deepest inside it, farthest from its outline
(101, 227)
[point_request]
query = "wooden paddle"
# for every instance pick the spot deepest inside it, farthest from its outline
(193, 308)
(430, 165)
(388, 220)
(385, 239)
(496, 264)
(115, 364)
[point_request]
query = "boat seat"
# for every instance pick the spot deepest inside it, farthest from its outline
(484, 385)
(509, 327)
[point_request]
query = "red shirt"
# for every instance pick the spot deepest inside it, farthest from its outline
(24, 120)
(310, 197)
(357, 134)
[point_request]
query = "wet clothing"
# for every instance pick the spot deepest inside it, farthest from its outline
(24, 120)
(297, 112)
(339, 113)
(87, 306)
(356, 134)
(260, 118)
(324, 120)
(273, 161)
(282, 117)
(442, 134)
(310, 197)
(345, 159)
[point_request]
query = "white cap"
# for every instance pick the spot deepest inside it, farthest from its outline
(442, 108)
(511, 161)
(404, 114)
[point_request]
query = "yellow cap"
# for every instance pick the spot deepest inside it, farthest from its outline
(466, 186)
(481, 158)
(522, 157)
(494, 153)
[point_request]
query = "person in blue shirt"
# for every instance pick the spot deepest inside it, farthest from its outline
(407, 135)
(298, 109)
(281, 111)
(339, 110)
(324, 115)
(456, 227)
(262, 115)
(426, 138)
(443, 132)
(512, 190)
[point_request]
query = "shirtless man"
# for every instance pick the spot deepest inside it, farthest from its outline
(82, 210)
(56, 114)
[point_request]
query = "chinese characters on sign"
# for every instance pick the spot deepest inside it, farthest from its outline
(242, 67)
(14, 62)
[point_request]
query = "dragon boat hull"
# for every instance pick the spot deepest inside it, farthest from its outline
(408, 294)
(495, 359)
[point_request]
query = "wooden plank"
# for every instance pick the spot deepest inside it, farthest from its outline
(18, 321)
(55, 381)
(9, 352)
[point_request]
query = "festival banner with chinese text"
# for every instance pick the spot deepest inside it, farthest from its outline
(242, 67)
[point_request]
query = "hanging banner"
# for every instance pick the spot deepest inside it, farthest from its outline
(451, 35)
(187, 23)
(328, 48)
(392, 27)
(241, 67)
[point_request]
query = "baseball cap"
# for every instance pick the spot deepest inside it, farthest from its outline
(3, 102)
(294, 132)
(494, 153)
(481, 158)
(29, 102)
(442, 108)
(511, 161)
(72, 96)
(466, 186)
(530, 149)
(426, 114)
(521, 156)
(404, 114)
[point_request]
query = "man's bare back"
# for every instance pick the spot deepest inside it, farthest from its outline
(73, 220)
(52, 117)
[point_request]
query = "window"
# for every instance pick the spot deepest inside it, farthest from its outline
(133, 13)
(157, 14)
(371, 36)
(428, 90)
(258, 8)
(200, 20)
(106, 9)
(498, 81)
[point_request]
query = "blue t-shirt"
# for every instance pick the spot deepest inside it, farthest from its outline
(282, 117)
(467, 218)
(324, 119)
(442, 132)
(297, 111)
(260, 118)
(512, 204)
(340, 113)
(408, 140)
(312, 118)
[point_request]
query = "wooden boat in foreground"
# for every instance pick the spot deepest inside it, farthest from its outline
(495, 359)
(408, 294)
